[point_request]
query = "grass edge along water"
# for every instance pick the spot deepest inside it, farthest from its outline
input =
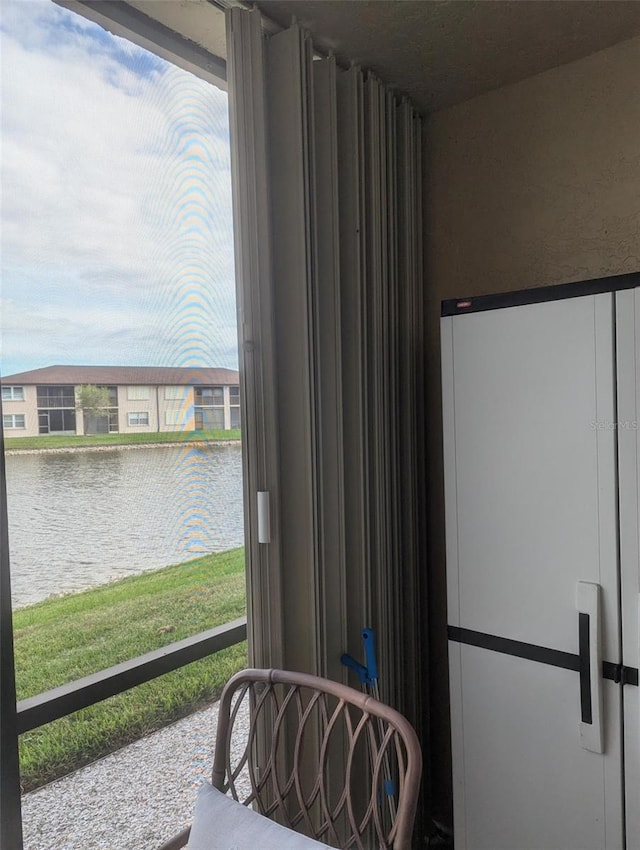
(62, 639)
(50, 442)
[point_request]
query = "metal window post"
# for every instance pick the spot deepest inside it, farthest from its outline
(10, 812)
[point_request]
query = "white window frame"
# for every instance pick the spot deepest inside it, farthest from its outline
(15, 393)
(11, 418)
(137, 414)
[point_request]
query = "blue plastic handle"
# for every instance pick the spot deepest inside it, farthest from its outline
(360, 669)
(371, 662)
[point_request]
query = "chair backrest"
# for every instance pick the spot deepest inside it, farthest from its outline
(319, 757)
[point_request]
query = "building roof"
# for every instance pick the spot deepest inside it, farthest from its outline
(119, 375)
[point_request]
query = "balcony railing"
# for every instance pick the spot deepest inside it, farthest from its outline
(51, 705)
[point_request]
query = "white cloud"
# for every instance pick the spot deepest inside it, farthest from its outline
(116, 211)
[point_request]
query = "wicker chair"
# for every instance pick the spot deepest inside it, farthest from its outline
(339, 766)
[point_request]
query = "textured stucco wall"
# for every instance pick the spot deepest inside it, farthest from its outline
(530, 185)
(176, 410)
(148, 405)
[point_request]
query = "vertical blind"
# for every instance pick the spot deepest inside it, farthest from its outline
(327, 205)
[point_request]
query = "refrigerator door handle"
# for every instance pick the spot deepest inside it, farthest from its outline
(590, 654)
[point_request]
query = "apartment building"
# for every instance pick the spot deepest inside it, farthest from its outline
(141, 399)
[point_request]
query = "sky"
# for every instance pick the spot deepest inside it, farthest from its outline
(116, 227)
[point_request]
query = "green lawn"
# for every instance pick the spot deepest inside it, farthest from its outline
(62, 639)
(74, 441)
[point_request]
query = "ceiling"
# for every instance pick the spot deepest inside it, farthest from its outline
(444, 52)
(439, 52)
(197, 20)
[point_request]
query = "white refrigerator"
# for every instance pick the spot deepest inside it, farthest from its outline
(542, 482)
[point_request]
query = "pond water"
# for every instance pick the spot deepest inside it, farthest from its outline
(80, 519)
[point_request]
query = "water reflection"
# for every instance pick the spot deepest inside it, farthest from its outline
(80, 519)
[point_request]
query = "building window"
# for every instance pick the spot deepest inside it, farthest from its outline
(209, 396)
(57, 421)
(112, 420)
(13, 394)
(140, 418)
(112, 413)
(173, 393)
(209, 419)
(13, 420)
(56, 409)
(234, 407)
(56, 396)
(138, 393)
(209, 411)
(103, 420)
(113, 395)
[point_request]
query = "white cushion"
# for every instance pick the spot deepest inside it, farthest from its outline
(221, 823)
